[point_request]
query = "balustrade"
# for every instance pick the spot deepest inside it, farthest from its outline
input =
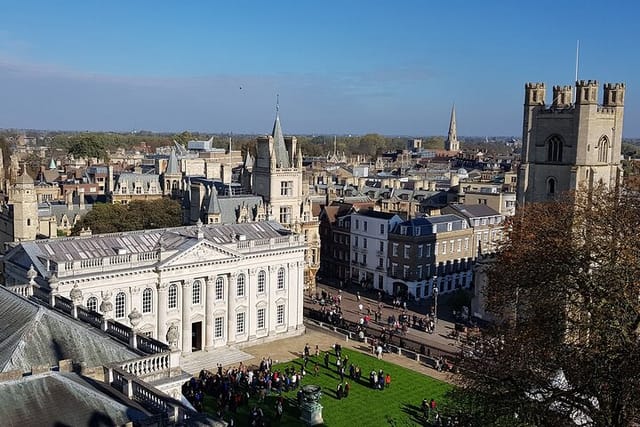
(119, 331)
(89, 316)
(148, 365)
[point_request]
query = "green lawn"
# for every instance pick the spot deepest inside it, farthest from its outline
(398, 405)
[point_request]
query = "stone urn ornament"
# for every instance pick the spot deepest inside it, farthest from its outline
(311, 409)
(31, 275)
(135, 317)
(54, 282)
(76, 295)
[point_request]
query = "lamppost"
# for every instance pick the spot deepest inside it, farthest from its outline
(435, 299)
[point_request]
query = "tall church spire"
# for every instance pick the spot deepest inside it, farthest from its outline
(452, 143)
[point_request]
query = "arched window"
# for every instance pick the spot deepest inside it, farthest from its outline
(92, 304)
(554, 148)
(28, 221)
(281, 278)
(121, 305)
(147, 300)
(172, 300)
(262, 281)
(240, 285)
(551, 186)
(197, 288)
(220, 288)
(603, 149)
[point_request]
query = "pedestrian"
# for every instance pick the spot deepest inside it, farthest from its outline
(387, 380)
(358, 295)
(326, 359)
(347, 388)
(316, 369)
(360, 308)
(339, 391)
(317, 350)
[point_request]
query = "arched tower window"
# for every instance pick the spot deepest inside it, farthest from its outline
(147, 300)
(551, 187)
(603, 149)
(121, 305)
(554, 148)
(92, 303)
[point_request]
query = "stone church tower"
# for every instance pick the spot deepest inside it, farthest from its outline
(568, 146)
(452, 143)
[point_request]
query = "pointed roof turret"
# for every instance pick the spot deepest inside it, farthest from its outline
(52, 164)
(172, 164)
(214, 205)
(248, 161)
(24, 178)
(282, 157)
(452, 144)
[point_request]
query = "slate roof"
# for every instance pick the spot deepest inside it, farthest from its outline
(57, 398)
(59, 250)
(474, 210)
(282, 156)
(427, 224)
(35, 335)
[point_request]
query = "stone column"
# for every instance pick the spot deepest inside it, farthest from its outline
(231, 308)
(208, 312)
(186, 315)
(161, 309)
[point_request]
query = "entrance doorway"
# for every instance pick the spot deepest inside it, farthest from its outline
(196, 336)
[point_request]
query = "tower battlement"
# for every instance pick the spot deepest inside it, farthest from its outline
(562, 96)
(613, 95)
(534, 94)
(587, 92)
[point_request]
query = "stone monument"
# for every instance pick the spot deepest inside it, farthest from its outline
(311, 408)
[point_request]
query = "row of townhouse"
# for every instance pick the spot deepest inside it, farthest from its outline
(380, 250)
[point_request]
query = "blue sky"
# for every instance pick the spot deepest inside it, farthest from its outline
(346, 67)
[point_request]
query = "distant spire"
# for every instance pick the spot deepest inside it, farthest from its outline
(452, 144)
(172, 164)
(277, 102)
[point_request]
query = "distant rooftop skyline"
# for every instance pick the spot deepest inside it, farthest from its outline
(339, 67)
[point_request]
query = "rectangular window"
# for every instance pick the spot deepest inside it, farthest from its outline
(286, 188)
(466, 244)
(357, 224)
(240, 323)
(280, 314)
(364, 242)
(405, 271)
(364, 225)
(427, 252)
(435, 250)
(407, 249)
(381, 262)
(364, 258)
(355, 241)
(395, 249)
(381, 246)
(427, 270)
(419, 272)
(285, 214)
(420, 251)
(452, 246)
(444, 248)
(218, 327)
(261, 316)
(459, 245)
(381, 228)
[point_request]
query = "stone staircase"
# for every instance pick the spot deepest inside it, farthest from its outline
(193, 363)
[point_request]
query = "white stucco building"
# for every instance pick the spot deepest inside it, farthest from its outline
(197, 287)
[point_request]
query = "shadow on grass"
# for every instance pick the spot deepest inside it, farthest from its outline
(414, 412)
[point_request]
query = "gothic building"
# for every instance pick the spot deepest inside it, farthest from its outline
(570, 145)
(277, 176)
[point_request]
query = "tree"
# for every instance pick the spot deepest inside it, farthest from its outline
(183, 138)
(87, 146)
(565, 289)
(137, 215)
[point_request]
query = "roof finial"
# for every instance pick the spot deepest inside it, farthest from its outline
(277, 102)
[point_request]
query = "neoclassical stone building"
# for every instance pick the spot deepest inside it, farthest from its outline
(197, 287)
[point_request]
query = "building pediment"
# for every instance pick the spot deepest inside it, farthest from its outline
(202, 251)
